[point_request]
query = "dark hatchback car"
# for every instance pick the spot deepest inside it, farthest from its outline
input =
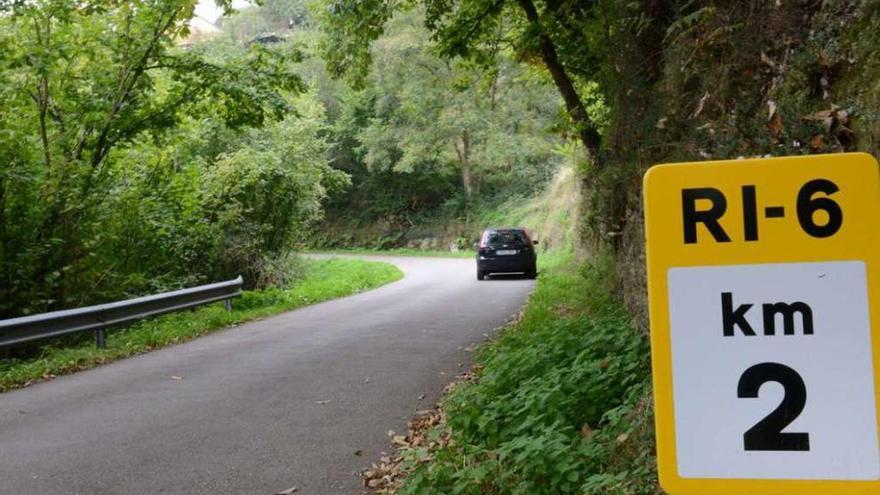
(506, 250)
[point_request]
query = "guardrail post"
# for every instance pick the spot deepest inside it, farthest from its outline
(99, 338)
(228, 304)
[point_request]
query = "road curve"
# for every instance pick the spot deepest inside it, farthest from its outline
(285, 401)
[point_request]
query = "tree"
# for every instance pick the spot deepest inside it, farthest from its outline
(552, 31)
(81, 80)
(430, 112)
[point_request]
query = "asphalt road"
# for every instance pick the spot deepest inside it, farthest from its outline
(282, 402)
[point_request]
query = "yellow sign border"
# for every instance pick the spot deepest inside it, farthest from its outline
(661, 255)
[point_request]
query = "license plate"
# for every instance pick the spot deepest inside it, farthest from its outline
(506, 252)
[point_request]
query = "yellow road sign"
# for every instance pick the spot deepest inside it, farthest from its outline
(765, 345)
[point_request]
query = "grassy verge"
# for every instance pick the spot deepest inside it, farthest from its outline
(400, 252)
(322, 280)
(559, 404)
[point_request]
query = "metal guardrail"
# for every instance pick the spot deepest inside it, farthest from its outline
(98, 318)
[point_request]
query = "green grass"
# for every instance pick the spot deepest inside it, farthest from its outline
(323, 280)
(561, 404)
(400, 252)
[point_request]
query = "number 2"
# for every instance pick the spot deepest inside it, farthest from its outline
(767, 433)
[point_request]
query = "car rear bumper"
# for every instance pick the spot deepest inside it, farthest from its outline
(505, 264)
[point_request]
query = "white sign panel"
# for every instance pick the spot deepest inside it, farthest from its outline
(772, 371)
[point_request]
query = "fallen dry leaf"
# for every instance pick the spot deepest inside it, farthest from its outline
(386, 476)
(835, 121)
(774, 122)
(700, 106)
(766, 60)
(771, 109)
(826, 117)
(376, 483)
(288, 491)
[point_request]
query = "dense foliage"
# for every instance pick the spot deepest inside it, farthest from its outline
(561, 34)
(429, 137)
(422, 137)
(129, 164)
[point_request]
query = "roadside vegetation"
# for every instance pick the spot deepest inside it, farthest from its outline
(559, 403)
(317, 281)
(135, 160)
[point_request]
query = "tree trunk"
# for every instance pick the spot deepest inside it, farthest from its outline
(576, 110)
(466, 178)
(467, 181)
(464, 152)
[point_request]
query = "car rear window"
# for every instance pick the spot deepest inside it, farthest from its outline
(492, 238)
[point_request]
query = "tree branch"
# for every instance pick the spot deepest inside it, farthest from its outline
(130, 78)
(478, 21)
(590, 138)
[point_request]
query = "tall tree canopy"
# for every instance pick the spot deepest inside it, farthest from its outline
(89, 92)
(552, 32)
(430, 112)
